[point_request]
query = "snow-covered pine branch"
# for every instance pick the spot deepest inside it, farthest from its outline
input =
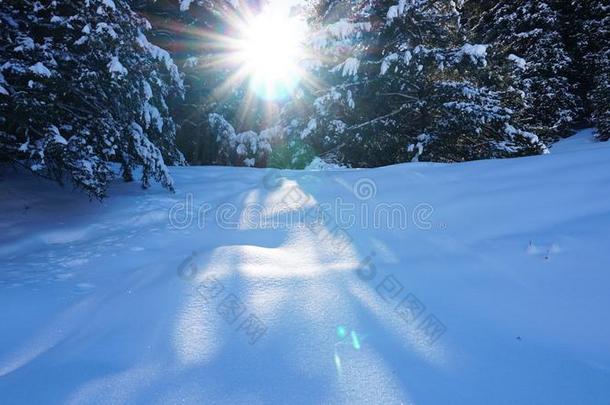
(406, 83)
(81, 88)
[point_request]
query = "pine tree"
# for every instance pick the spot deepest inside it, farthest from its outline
(406, 85)
(528, 44)
(247, 148)
(315, 121)
(178, 27)
(196, 33)
(590, 32)
(82, 87)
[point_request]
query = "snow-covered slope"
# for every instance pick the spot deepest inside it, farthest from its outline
(490, 286)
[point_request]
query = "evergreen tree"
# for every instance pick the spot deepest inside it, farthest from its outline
(183, 28)
(528, 44)
(406, 85)
(197, 34)
(81, 87)
(590, 32)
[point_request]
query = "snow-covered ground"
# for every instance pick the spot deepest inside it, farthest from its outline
(479, 283)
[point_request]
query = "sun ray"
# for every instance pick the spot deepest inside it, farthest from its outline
(259, 58)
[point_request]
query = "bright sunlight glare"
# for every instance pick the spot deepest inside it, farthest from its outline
(269, 50)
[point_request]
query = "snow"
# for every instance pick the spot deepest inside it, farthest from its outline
(114, 303)
(25, 43)
(520, 62)
(348, 68)
(185, 5)
(149, 153)
(81, 40)
(318, 164)
(343, 29)
(152, 115)
(247, 141)
(407, 58)
(531, 137)
(115, 67)
(109, 3)
(312, 125)
(148, 93)
(582, 141)
(224, 128)
(103, 27)
(162, 55)
(55, 135)
(396, 11)
(477, 52)
(241, 149)
(40, 69)
(191, 62)
(392, 13)
(3, 91)
(387, 62)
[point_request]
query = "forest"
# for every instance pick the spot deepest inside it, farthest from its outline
(90, 94)
(240, 202)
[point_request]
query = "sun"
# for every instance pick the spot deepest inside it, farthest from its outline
(269, 50)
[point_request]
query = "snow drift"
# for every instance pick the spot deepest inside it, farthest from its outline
(477, 283)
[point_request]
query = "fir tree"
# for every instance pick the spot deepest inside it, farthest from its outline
(406, 85)
(196, 33)
(81, 87)
(590, 32)
(528, 45)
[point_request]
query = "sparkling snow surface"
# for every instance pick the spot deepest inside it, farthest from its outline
(111, 303)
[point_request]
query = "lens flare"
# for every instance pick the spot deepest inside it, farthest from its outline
(254, 60)
(355, 340)
(269, 50)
